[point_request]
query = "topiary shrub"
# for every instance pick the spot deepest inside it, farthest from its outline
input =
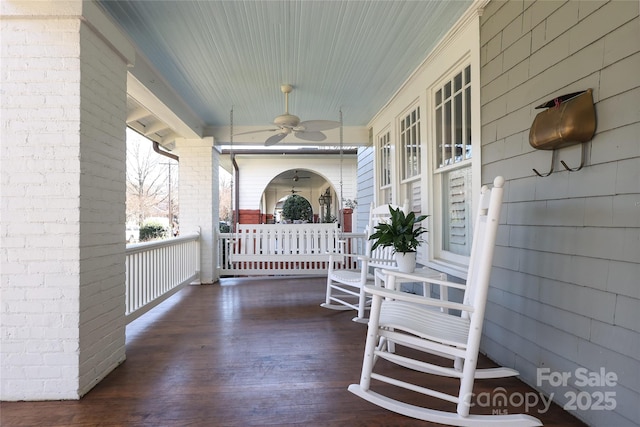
(224, 227)
(152, 231)
(297, 208)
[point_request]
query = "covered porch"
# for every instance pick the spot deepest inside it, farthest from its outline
(252, 351)
(564, 294)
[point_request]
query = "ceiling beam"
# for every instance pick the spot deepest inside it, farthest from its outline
(137, 114)
(150, 90)
(155, 127)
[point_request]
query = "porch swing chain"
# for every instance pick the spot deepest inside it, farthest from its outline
(233, 210)
(341, 195)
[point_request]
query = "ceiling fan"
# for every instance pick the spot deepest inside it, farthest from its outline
(309, 130)
(297, 177)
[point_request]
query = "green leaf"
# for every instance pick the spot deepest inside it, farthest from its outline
(402, 232)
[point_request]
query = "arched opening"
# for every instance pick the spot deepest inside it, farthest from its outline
(304, 183)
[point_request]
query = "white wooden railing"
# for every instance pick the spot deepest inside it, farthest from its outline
(283, 250)
(157, 270)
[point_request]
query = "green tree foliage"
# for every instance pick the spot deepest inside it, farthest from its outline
(152, 231)
(297, 208)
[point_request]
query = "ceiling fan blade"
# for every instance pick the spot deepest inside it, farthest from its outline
(255, 131)
(317, 125)
(272, 140)
(311, 136)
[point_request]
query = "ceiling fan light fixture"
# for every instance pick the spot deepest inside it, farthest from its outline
(287, 121)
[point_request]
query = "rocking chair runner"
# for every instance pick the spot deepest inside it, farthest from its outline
(401, 319)
(345, 288)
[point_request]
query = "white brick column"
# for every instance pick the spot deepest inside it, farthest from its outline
(199, 198)
(62, 325)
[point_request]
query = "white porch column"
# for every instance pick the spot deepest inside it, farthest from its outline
(62, 258)
(199, 198)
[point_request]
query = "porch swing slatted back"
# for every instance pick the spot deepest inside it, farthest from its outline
(284, 248)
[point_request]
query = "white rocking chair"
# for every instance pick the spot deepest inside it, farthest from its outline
(345, 288)
(402, 319)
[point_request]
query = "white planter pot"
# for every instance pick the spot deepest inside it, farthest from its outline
(406, 261)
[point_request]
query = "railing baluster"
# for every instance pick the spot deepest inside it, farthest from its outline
(155, 270)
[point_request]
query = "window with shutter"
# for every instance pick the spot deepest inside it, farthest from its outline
(452, 119)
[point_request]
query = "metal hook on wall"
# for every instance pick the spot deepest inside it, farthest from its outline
(553, 162)
(582, 156)
(564, 164)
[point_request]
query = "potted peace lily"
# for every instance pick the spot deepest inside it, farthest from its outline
(401, 232)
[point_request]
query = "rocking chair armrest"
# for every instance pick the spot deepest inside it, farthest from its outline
(365, 258)
(338, 257)
(416, 278)
(346, 255)
(417, 299)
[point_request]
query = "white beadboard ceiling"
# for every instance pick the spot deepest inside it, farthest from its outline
(351, 55)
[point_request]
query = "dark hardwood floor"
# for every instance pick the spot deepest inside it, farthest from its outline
(252, 352)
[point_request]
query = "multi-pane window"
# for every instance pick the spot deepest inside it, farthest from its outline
(410, 144)
(453, 119)
(384, 150)
(452, 101)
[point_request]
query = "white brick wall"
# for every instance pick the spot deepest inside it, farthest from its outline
(199, 198)
(40, 266)
(62, 255)
(565, 291)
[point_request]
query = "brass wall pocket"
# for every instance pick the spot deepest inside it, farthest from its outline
(568, 120)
